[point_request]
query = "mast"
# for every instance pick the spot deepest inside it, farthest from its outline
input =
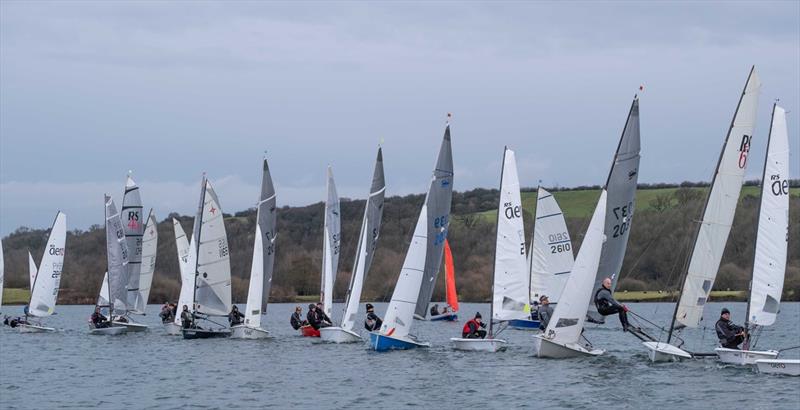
(705, 205)
(758, 219)
(198, 225)
(530, 248)
(494, 259)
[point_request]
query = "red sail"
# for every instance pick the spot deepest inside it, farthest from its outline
(450, 277)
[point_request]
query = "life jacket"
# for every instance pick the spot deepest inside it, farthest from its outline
(466, 330)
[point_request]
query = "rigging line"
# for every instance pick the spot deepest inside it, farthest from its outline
(789, 348)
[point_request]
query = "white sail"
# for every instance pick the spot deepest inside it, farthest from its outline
(185, 251)
(367, 243)
(102, 297)
(133, 224)
(252, 315)
(330, 244)
(46, 284)
(117, 258)
(148, 265)
(769, 264)
(510, 298)
(720, 208)
(32, 270)
(570, 313)
(551, 256)
(213, 268)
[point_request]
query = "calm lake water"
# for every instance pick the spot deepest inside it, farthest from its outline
(70, 369)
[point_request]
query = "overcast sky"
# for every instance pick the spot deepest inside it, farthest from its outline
(90, 90)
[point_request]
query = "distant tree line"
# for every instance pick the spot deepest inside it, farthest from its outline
(660, 239)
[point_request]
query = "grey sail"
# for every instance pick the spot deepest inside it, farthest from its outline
(367, 243)
(440, 195)
(133, 223)
(621, 196)
(117, 254)
(266, 222)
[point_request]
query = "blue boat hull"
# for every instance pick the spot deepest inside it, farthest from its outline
(449, 318)
(525, 324)
(383, 343)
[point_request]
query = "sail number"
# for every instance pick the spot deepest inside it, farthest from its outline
(512, 211)
(562, 247)
(623, 214)
(440, 223)
(779, 187)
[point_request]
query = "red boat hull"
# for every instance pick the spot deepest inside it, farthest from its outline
(308, 331)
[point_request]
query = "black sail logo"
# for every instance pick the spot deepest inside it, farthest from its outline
(744, 149)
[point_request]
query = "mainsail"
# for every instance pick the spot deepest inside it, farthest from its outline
(212, 282)
(187, 273)
(367, 243)
(148, 265)
(133, 224)
(621, 189)
(769, 264)
(46, 283)
(510, 299)
(263, 256)
(437, 204)
(719, 210)
(569, 315)
(330, 245)
(117, 258)
(425, 251)
(550, 255)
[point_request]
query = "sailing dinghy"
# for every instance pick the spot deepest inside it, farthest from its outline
(46, 279)
(331, 243)
(173, 328)
(769, 262)
(367, 244)
(789, 367)
(451, 311)
(261, 267)
(562, 337)
(212, 269)
(422, 259)
(712, 232)
(113, 292)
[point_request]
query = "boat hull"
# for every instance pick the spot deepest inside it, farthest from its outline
(338, 335)
(309, 331)
(545, 348)
(790, 367)
(744, 357)
(383, 343)
(478, 345)
(172, 329)
(248, 332)
(108, 331)
(133, 327)
(660, 352)
(30, 328)
(524, 324)
(205, 333)
(444, 317)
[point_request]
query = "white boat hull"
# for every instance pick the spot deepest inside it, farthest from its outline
(743, 357)
(478, 345)
(338, 335)
(108, 331)
(248, 332)
(34, 329)
(172, 329)
(790, 367)
(132, 327)
(659, 352)
(543, 347)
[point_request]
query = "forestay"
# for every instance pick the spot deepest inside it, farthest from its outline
(621, 188)
(769, 266)
(720, 208)
(550, 255)
(330, 244)
(440, 195)
(148, 265)
(570, 313)
(133, 224)
(367, 243)
(213, 269)
(510, 298)
(117, 258)
(47, 281)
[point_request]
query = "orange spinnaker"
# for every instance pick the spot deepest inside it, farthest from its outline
(450, 277)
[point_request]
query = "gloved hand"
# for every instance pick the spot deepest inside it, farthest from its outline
(625, 308)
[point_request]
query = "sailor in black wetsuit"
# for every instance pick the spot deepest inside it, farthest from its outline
(297, 319)
(98, 320)
(372, 322)
(607, 305)
(324, 320)
(235, 317)
(730, 335)
(435, 310)
(186, 318)
(545, 312)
